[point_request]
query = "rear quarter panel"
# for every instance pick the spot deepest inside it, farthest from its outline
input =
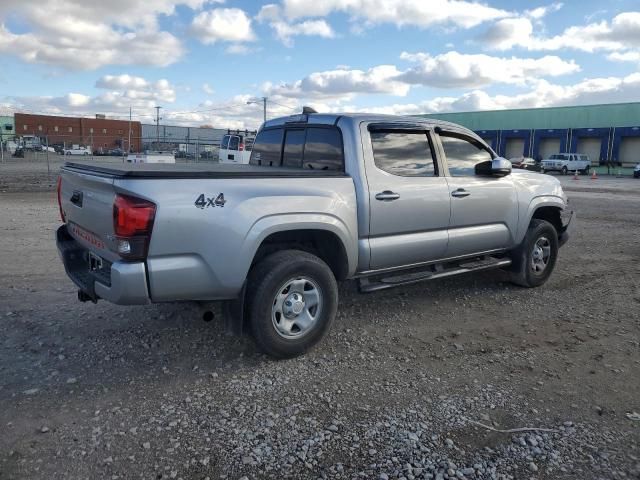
(205, 253)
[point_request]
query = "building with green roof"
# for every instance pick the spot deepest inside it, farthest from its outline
(604, 132)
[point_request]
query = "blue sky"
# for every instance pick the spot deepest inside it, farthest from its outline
(202, 60)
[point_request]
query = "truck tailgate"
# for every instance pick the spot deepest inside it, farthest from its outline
(87, 203)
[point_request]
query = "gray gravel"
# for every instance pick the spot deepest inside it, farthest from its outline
(397, 390)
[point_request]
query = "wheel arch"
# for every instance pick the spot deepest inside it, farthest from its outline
(324, 243)
(544, 208)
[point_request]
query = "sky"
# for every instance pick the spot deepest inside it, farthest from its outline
(206, 62)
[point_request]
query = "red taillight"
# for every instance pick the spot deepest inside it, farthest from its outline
(59, 192)
(132, 216)
(132, 223)
(241, 147)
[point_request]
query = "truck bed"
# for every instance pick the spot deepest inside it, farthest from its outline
(194, 170)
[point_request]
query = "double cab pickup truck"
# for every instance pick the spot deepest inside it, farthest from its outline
(383, 200)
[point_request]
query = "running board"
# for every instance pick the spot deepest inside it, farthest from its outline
(372, 284)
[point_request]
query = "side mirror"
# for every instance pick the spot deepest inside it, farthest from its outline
(500, 167)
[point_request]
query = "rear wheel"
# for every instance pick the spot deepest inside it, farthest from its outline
(535, 258)
(292, 300)
(586, 170)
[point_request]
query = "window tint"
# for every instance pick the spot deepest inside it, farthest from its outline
(293, 147)
(462, 155)
(233, 142)
(225, 142)
(267, 148)
(323, 149)
(402, 153)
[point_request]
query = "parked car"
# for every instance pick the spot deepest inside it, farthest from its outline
(325, 198)
(636, 171)
(235, 148)
(77, 151)
(526, 163)
(567, 162)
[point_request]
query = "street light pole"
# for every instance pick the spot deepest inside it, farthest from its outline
(264, 105)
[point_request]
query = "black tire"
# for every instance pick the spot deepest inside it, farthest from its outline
(523, 272)
(564, 170)
(265, 280)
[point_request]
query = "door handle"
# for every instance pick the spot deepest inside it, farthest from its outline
(76, 198)
(460, 193)
(387, 196)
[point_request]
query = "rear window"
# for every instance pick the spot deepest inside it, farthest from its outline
(234, 141)
(315, 148)
(267, 148)
(323, 149)
(225, 142)
(293, 148)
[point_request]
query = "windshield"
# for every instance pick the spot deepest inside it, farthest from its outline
(558, 156)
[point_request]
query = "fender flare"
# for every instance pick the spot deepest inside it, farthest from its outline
(271, 224)
(535, 204)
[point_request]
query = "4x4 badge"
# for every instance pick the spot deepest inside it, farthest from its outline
(206, 202)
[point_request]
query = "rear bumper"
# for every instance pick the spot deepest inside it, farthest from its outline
(123, 283)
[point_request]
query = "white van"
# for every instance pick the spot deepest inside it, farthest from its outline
(566, 163)
(236, 148)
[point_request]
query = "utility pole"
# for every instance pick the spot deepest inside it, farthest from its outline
(264, 103)
(2, 144)
(129, 143)
(157, 126)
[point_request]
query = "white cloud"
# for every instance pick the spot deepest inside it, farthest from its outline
(222, 24)
(455, 70)
(540, 12)
(208, 89)
(419, 13)
(285, 31)
(119, 93)
(630, 56)
(621, 33)
(342, 83)
(543, 94)
(89, 34)
(448, 70)
(121, 81)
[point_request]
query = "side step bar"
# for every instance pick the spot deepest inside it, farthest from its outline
(373, 284)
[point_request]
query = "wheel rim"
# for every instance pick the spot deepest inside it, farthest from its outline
(540, 255)
(296, 308)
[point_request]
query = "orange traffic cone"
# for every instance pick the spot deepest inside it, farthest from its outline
(594, 175)
(575, 175)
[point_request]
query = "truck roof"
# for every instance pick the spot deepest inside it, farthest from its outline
(333, 118)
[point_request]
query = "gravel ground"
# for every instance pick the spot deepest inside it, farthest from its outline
(421, 382)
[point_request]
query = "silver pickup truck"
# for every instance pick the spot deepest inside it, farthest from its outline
(384, 200)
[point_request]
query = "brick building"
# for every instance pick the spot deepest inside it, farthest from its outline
(91, 132)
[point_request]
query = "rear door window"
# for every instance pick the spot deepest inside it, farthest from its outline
(323, 149)
(407, 154)
(293, 148)
(267, 148)
(225, 142)
(234, 141)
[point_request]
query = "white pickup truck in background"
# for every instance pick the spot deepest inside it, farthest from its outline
(567, 162)
(236, 147)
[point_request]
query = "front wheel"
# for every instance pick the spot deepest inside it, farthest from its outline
(535, 258)
(292, 300)
(564, 170)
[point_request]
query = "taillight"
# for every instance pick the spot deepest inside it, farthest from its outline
(59, 192)
(132, 224)
(241, 147)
